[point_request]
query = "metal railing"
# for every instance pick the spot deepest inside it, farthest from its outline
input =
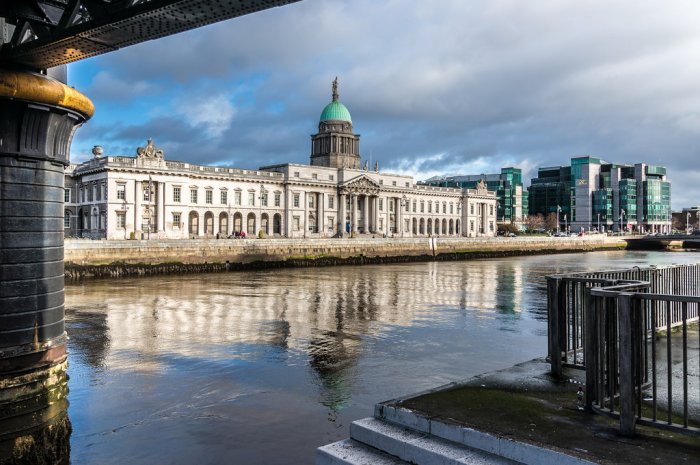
(629, 330)
(566, 302)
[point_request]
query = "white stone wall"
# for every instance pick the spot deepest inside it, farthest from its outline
(309, 202)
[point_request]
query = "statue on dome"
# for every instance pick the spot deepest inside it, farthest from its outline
(335, 89)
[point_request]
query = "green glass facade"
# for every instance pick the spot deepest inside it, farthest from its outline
(508, 186)
(593, 193)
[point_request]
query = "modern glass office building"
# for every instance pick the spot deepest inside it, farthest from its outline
(593, 194)
(508, 186)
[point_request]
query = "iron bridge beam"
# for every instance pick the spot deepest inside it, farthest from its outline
(48, 33)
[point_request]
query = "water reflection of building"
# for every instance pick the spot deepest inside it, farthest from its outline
(328, 320)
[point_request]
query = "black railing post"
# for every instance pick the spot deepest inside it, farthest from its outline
(553, 299)
(590, 347)
(625, 365)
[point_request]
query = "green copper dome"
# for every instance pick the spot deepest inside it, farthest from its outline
(336, 111)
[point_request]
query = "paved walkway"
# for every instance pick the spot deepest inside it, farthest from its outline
(525, 404)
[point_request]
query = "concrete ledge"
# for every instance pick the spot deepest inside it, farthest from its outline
(352, 452)
(502, 447)
(97, 259)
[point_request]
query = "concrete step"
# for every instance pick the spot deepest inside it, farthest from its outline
(417, 447)
(350, 452)
(500, 447)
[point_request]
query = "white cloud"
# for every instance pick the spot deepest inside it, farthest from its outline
(213, 114)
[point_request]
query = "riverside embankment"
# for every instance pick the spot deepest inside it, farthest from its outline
(85, 259)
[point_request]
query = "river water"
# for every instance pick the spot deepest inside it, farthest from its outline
(263, 367)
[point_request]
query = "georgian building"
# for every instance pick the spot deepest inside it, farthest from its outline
(149, 197)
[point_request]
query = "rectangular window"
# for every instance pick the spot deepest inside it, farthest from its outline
(391, 205)
(121, 220)
(393, 183)
(263, 198)
(66, 195)
(296, 174)
(381, 205)
(422, 206)
(471, 226)
(177, 195)
(490, 209)
(430, 206)
(237, 197)
(314, 176)
(471, 209)
(444, 207)
(414, 206)
(251, 198)
(176, 221)
(311, 200)
(278, 199)
(146, 192)
(452, 208)
(331, 177)
(408, 206)
(208, 196)
(331, 201)
(224, 197)
(66, 220)
(295, 223)
(193, 195)
(296, 200)
(121, 192)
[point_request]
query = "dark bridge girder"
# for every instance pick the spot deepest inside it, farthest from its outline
(50, 33)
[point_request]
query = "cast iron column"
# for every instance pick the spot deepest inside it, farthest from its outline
(38, 117)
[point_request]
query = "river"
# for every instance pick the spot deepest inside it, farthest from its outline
(263, 367)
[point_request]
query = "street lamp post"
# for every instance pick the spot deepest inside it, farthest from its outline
(260, 198)
(687, 223)
(404, 202)
(566, 227)
(598, 222)
(622, 215)
(558, 227)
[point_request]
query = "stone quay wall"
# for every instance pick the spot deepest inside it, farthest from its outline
(85, 259)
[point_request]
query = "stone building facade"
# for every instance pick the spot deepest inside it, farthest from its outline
(147, 196)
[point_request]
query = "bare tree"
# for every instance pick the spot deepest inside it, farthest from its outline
(535, 222)
(551, 221)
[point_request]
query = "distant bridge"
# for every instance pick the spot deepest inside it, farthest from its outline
(49, 33)
(671, 241)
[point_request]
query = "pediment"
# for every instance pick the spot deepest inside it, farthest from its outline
(361, 185)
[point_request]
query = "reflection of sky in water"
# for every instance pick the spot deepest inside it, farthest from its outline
(262, 367)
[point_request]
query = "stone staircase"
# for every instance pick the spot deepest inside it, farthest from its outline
(396, 435)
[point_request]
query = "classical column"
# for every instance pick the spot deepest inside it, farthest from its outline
(399, 216)
(289, 200)
(161, 207)
(138, 197)
(365, 214)
(320, 214)
(304, 223)
(375, 213)
(38, 117)
(354, 213)
(342, 213)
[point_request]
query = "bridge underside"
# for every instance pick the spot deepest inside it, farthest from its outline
(49, 33)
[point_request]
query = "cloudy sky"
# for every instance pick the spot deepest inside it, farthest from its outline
(434, 87)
